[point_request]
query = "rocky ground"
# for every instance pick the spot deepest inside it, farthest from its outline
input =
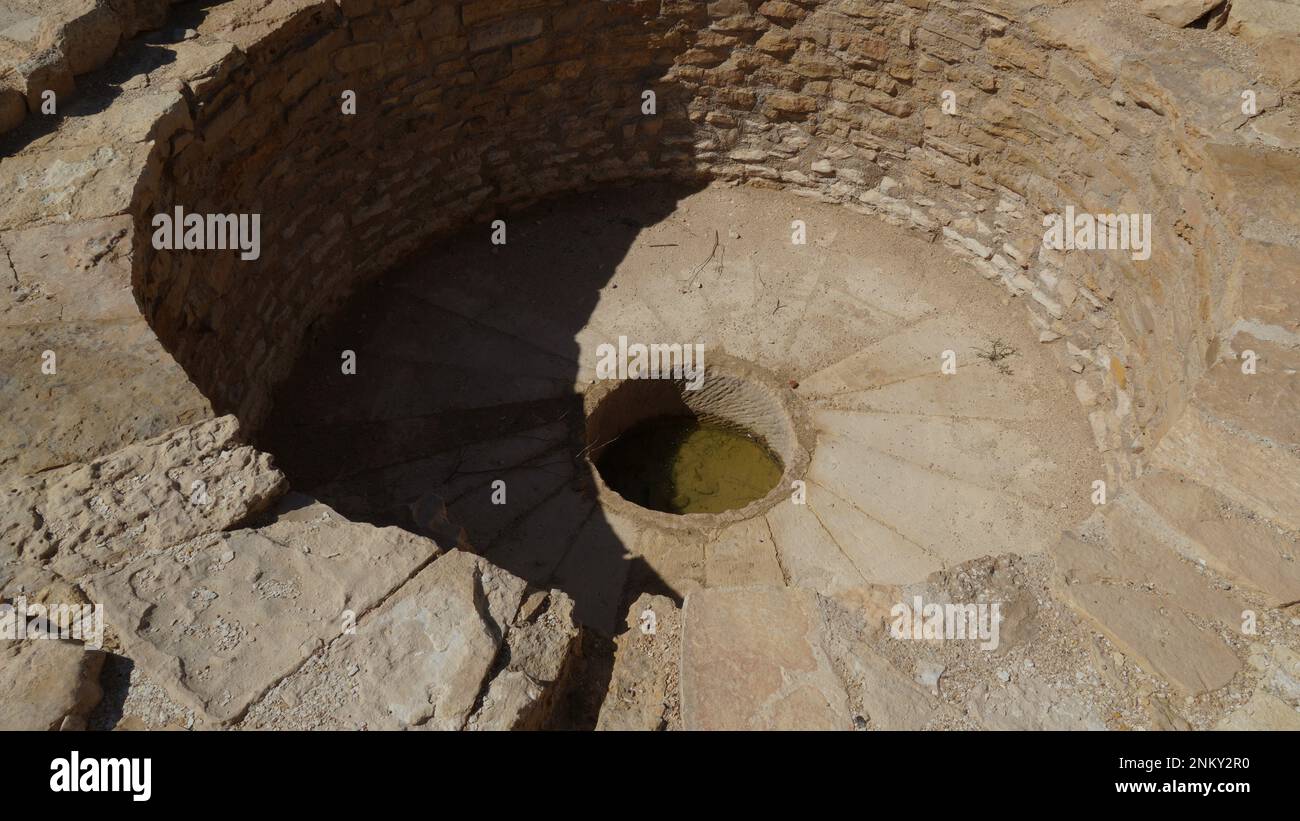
(387, 590)
(241, 607)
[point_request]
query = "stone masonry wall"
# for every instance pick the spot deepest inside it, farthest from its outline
(462, 110)
(468, 109)
(1051, 106)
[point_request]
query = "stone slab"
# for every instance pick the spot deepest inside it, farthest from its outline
(219, 620)
(752, 659)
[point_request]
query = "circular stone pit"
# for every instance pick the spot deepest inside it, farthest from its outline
(733, 392)
(479, 363)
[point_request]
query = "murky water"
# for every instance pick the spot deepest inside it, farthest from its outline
(688, 465)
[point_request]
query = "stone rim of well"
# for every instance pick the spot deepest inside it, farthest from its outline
(734, 390)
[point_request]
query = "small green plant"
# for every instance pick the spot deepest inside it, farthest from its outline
(997, 352)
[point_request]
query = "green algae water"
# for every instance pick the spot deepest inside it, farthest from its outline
(682, 464)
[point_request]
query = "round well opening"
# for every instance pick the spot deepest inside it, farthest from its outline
(725, 446)
(689, 464)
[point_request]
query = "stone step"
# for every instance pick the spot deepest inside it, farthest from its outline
(753, 659)
(772, 657)
(1206, 528)
(1122, 572)
(1241, 432)
(921, 511)
(1265, 403)
(1259, 189)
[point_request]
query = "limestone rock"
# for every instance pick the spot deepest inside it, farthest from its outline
(1261, 186)
(198, 479)
(1258, 19)
(48, 684)
(1192, 85)
(1001, 579)
(752, 659)
(1262, 712)
(13, 109)
(1131, 553)
(91, 37)
(1279, 55)
(540, 645)
(45, 70)
(426, 653)
(460, 645)
(1250, 471)
(1030, 703)
(46, 42)
(643, 692)
(1269, 288)
(1266, 403)
(1285, 674)
(1160, 638)
(878, 692)
(110, 382)
(1131, 580)
(220, 619)
(1239, 546)
(1178, 13)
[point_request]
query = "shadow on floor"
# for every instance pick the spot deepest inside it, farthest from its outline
(463, 411)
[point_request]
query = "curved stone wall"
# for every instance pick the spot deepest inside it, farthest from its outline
(462, 110)
(968, 124)
(971, 124)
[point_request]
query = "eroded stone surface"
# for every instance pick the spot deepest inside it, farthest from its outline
(220, 619)
(194, 480)
(430, 658)
(883, 696)
(1262, 712)
(752, 658)
(1031, 704)
(1077, 104)
(643, 687)
(88, 376)
(540, 644)
(48, 684)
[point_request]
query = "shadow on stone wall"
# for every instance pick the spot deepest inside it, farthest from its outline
(470, 111)
(463, 112)
(462, 115)
(467, 369)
